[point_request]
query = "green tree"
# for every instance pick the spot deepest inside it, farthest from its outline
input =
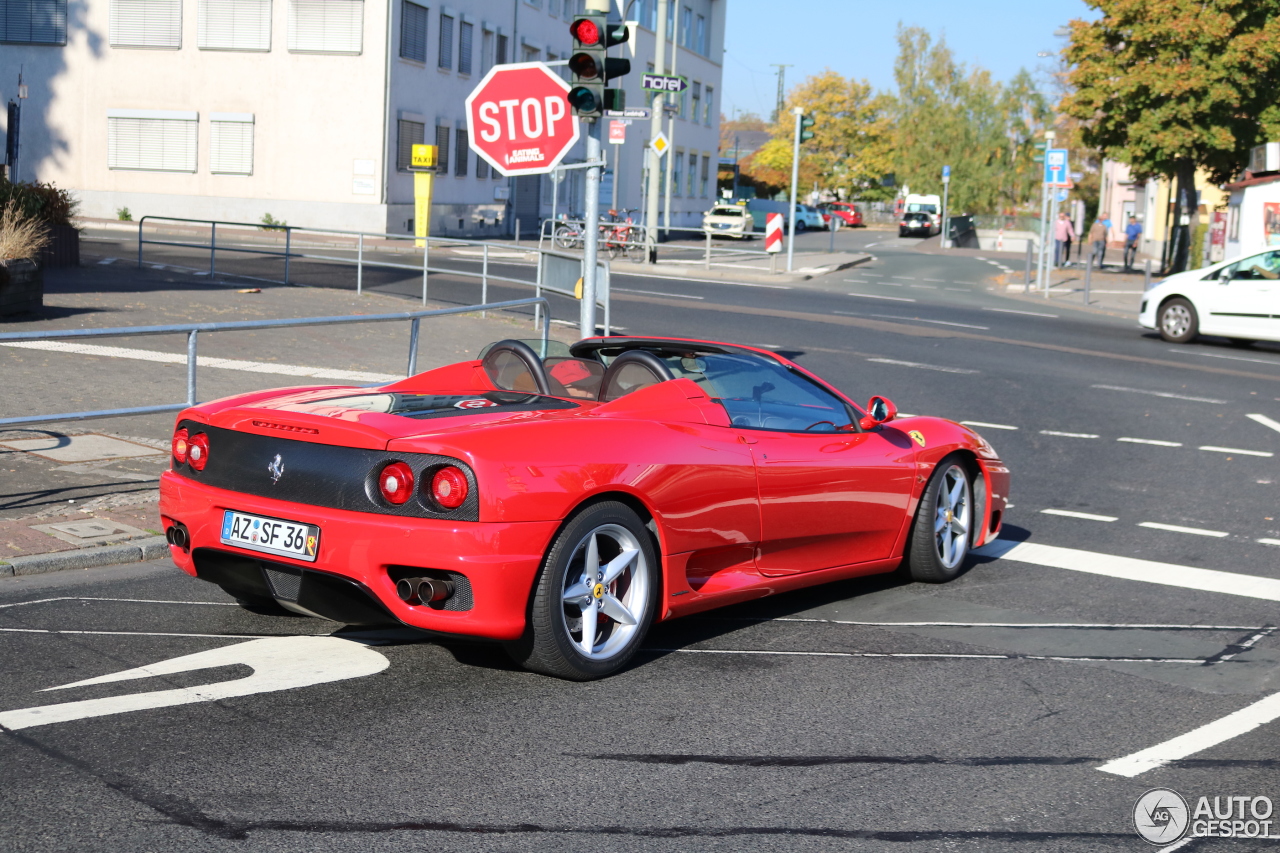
(1173, 86)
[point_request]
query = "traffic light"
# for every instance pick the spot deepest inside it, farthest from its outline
(591, 68)
(806, 122)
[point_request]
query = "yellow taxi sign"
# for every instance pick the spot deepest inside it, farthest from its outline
(424, 156)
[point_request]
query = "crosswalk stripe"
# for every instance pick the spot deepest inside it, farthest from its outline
(1134, 569)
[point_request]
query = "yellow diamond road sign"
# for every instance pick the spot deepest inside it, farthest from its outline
(659, 143)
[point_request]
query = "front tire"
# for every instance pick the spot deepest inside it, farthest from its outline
(943, 527)
(595, 598)
(1178, 321)
(800, 226)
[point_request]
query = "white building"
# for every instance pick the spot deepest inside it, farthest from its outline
(306, 109)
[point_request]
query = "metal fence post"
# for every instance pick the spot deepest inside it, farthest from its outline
(1146, 276)
(1088, 277)
(484, 280)
(537, 292)
(140, 221)
(413, 345)
(213, 246)
(1026, 275)
(191, 367)
(707, 261)
(517, 232)
(288, 233)
(426, 254)
(360, 266)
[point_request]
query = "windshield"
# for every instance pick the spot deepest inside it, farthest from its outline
(922, 208)
(727, 211)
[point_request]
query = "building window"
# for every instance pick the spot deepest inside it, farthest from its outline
(502, 50)
(693, 174)
(446, 41)
(408, 134)
(706, 174)
(553, 8)
(700, 36)
(152, 140)
(460, 153)
(464, 47)
(146, 23)
(326, 26)
(531, 53)
(696, 91)
(706, 108)
(482, 167)
(677, 172)
(486, 51)
(442, 143)
(234, 25)
(33, 21)
(686, 27)
(413, 31)
(231, 143)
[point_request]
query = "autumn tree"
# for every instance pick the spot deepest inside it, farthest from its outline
(849, 152)
(1174, 86)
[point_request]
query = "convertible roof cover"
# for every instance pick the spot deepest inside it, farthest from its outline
(614, 345)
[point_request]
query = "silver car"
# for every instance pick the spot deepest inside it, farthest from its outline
(728, 220)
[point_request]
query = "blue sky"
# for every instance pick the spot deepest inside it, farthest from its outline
(857, 39)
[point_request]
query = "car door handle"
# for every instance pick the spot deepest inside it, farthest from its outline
(746, 439)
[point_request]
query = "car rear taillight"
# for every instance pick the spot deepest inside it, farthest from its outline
(449, 487)
(180, 446)
(198, 451)
(395, 483)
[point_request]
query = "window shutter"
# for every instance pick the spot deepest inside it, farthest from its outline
(326, 26)
(151, 140)
(442, 143)
(446, 41)
(410, 133)
(231, 144)
(234, 25)
(33, 21)
(146, 23)
(461, 152)
(413, 31)
(502, 50)
(464, 47)
(482, 167)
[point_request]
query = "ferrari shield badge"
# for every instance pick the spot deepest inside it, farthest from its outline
(917, 437)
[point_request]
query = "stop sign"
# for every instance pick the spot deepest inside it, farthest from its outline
(518, 118)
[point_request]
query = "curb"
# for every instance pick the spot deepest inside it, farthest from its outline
(698, 272)
(151, 548)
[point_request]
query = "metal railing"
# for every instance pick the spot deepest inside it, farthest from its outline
(619, 238)
(360, 261)
(191, 330)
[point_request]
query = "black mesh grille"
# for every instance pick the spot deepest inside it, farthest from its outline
(285, 581)
(321, 474)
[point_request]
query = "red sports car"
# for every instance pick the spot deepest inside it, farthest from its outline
(562, 503)
(850, 215)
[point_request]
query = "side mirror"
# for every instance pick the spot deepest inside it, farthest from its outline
(879, 410)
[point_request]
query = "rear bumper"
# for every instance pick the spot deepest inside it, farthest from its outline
(359, 557)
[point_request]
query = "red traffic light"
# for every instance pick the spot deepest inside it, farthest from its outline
(586, 31)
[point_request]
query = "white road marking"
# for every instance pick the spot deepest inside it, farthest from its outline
(921, 366)
(1134, 569)
(1028, 313)
(1174, 528)
(1145, 626)
(1160, 394)
(706, 280)
(1210, 735)
(1270, 541)
(957, 289)
(278, 663)
(127, 600)
(1088, 516)
(923, 320)
(922, 286)
(935, 280)
(930, 655)
(657, 293)
(205, 361)
(136, 634)
(1154, 441)
(1184, 351)
(987, 425)
(1068, 434)
(106, 261)
(905, 277)
(1213, 449)
(874, 296)
(1265, 421)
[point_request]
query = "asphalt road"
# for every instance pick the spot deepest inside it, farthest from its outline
(995, 712)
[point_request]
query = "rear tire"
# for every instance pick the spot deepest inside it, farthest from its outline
(601, 567)
(800, 226)
(943, 527)
(1177, 321)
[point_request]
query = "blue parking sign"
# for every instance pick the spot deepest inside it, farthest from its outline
(1055, 166)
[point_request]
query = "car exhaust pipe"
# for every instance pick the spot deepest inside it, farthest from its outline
(178, 537)
(423, 590)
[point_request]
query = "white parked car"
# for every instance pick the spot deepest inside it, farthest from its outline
(728, 220)
(1237, 299)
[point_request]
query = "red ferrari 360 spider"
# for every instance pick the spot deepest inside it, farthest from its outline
(563, 503)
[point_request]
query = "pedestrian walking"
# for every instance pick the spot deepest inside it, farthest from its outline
(1063, 233)
(1098, 242)
(1132, 232)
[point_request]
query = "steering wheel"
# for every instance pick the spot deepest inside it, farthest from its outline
(818, 423)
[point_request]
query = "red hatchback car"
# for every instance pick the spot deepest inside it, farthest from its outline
(850, 215)
(562, 503)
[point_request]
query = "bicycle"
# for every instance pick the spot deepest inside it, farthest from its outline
(570, 235)
(622, 237)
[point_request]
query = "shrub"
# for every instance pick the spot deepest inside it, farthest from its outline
(270, 223)
(124, 215)
(43, 203)
(21, 236)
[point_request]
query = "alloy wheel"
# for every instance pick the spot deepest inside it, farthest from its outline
(606, 591)
(953, 517)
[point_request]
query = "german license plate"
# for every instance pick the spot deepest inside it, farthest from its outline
(271, 535)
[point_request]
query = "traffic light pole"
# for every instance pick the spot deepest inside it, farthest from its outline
(653, 192)
(795, 179)
(591, 239)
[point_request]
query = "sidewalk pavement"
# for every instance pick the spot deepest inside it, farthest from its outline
(1112, 290)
